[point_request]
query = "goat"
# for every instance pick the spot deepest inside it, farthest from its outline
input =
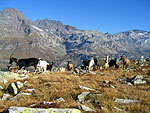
(50, 66)
(24, 62)
(86, 63)
(11, 69)
(91, 63)
(112, 63)
(42, 65)
(102, 63)
(69, 66)
(125, 61)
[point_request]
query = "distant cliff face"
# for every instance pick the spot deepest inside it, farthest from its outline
(52, 40)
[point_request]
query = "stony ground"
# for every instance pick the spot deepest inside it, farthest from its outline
(101, 91)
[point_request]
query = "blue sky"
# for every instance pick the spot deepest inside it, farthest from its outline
(111, 16)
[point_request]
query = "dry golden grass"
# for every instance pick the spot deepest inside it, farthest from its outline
(62, 84)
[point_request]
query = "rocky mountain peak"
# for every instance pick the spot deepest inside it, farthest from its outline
(10, 13)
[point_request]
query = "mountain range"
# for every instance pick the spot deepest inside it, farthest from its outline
(53, 41)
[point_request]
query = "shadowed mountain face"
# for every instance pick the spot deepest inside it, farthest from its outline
(52, 40)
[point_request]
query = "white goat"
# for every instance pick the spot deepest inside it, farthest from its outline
(42, 65)
(107, 65)
(92, 63)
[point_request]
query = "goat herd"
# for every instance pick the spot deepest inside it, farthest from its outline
(41, 65)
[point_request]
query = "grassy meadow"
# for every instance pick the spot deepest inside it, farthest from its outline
(49, 87)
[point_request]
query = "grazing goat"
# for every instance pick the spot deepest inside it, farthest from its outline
(24, 62)
(102, 63)
(69, 66)
(112, 63)
(125, 61)
(11, 69)
(42, 65)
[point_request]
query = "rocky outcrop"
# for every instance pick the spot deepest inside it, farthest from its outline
(138, 79)
(14, 88)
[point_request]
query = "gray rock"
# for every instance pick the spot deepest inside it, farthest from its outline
(19, 84)
(118, 109)
(21, 93)
(28, 94)
(14, 109)
(139, 81)
(1, 88)
(82, 96)
(86, 88)
(30, 89)
(137, 77)
(106, 81)
(5, 96)
(60, 100)
(85, 108)
(5, 81)
(12, 89)
(124, 101)
(112, 86)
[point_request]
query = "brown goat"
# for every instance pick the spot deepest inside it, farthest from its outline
(69, 66)
(13, 69)
(125, 61)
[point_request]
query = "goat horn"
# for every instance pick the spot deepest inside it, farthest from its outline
(11, 55)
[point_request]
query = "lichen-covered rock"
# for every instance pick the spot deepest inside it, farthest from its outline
(14, 109)
(4, 76)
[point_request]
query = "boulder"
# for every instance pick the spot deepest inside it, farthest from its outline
(138, 79)
(82, 96)
(13, 88)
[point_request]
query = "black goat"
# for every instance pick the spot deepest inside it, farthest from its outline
(50, 66)
(112, 63)
(24, 62)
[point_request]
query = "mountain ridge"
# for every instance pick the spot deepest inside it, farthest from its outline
(52, 40)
